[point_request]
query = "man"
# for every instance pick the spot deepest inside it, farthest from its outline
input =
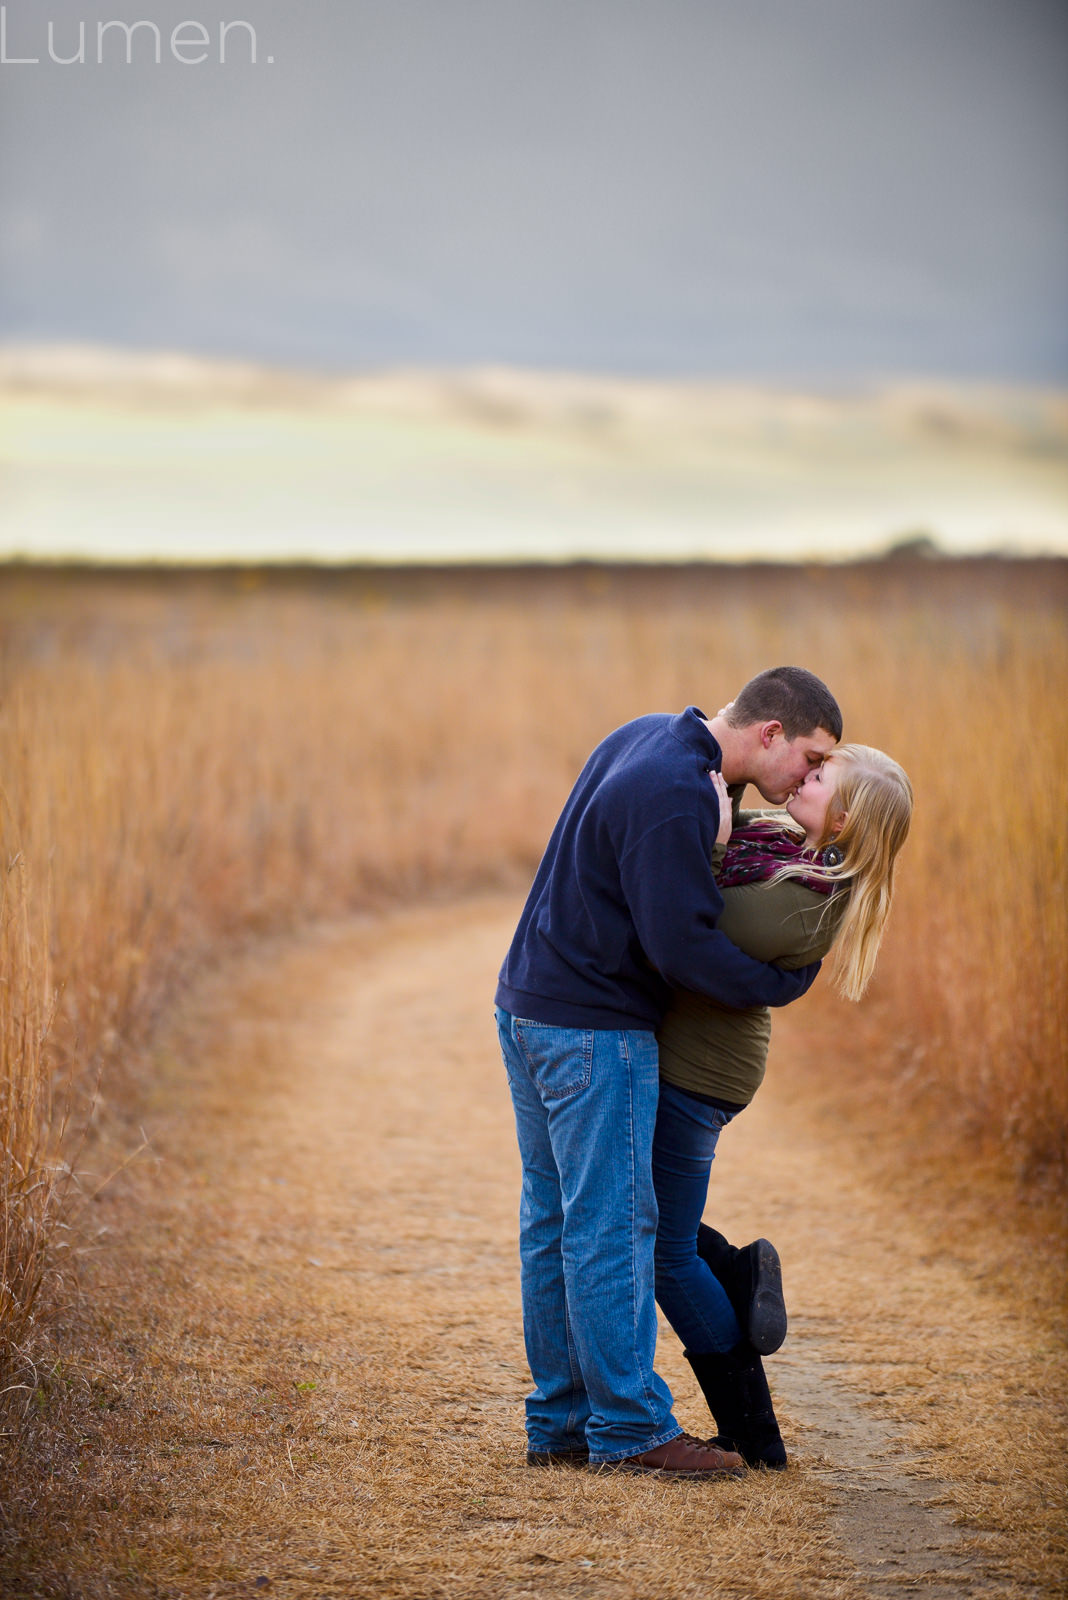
(623, 909)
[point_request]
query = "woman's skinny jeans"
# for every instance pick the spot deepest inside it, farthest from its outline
(688, 1292)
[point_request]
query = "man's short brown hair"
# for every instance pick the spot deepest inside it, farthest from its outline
(790, 695)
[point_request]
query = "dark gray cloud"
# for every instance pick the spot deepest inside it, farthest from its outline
(818, 189)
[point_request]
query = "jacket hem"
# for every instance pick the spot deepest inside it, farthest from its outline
(570, 1014)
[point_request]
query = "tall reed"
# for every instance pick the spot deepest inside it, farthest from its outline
(31, 1171)
(189, 757)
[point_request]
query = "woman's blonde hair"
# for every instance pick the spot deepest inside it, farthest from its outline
(876, 796)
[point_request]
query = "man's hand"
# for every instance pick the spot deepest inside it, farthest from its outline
(724, 799)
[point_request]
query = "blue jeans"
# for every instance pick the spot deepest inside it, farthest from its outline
(585, 1109)
(690, 1295)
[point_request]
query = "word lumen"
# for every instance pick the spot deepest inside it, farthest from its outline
(190, 43)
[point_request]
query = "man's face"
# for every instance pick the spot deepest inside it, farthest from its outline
(782, 764)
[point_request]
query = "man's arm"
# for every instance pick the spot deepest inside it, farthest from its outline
(675, 905)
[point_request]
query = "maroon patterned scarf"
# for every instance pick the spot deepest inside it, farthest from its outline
(757, 851)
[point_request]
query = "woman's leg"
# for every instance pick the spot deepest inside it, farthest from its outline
(726, 1365)
(689, 1293)
(752, 1277)
(738, 1397)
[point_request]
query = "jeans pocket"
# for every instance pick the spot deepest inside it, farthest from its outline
(721, 1117)
(560, 1060)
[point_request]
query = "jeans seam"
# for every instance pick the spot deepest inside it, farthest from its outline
(647, 1389)
(577, 1384)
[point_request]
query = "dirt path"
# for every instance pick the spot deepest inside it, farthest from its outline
(304, 1370)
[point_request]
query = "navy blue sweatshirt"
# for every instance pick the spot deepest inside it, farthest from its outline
(624, 905)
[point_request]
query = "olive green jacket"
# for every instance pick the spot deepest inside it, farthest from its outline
(711, 1050)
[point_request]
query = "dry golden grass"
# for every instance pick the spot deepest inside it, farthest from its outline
(298, 1355)
(304, 1360)
(186, 759)
(31, 1179)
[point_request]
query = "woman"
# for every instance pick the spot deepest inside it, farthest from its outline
(793, 884)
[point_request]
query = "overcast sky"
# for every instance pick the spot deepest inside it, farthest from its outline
(803, 190)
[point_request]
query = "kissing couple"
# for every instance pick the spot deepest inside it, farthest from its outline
(633, 1017)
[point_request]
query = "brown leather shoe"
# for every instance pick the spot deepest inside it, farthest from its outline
(684, 1457)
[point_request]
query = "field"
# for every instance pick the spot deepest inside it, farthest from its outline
(188, 758)
(195, 764)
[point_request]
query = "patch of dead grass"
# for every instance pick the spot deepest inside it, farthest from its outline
(298, 1354)
(189, 757)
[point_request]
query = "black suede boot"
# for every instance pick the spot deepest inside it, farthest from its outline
(737, 1393)
(752, 1277)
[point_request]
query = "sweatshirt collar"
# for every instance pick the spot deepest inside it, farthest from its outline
(691, 729)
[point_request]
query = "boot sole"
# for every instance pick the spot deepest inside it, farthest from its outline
(767, 1309)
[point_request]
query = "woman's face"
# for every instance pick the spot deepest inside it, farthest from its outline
(810, 803)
